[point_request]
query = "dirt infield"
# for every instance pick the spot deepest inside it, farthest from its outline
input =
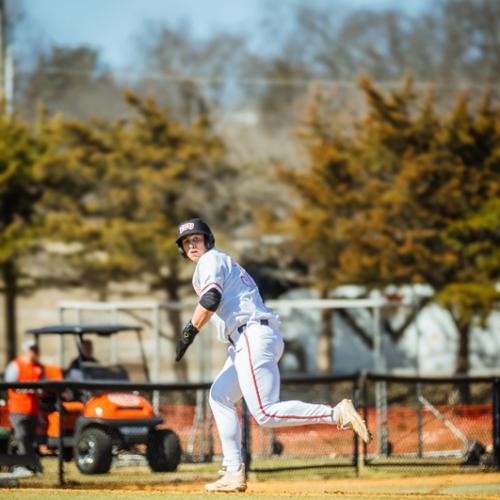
(484, 486)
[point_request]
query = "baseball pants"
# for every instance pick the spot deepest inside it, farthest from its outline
(251, 371)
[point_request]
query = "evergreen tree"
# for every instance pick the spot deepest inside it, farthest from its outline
(20, 191)
(407, 197)
(132, 182)
(329, 197)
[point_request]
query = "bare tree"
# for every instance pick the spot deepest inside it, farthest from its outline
(187, 74)
(71, 81)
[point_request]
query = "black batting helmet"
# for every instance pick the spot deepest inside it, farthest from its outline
(194, 226)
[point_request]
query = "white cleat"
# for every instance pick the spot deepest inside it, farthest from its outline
(229, 481)
(348, 418)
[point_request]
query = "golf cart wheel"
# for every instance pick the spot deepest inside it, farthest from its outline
(93, 451)
(163, 451)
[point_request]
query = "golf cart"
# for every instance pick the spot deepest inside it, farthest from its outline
(98, 426)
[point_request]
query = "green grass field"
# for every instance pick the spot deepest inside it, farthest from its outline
(137, 482)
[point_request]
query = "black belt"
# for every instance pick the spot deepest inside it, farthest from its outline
(244, 325)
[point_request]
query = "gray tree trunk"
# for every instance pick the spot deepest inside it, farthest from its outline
(9, 277)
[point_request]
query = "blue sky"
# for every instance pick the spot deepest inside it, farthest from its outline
(111, 25)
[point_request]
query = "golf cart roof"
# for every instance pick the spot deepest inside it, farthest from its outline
(79, 329)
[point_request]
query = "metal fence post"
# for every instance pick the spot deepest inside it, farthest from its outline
(418, 389)
(355, 397)
(246, 437)
(496, 423)
(381, 411)
(366, 403)
(210, 438)
(363, 394)
(60, 441)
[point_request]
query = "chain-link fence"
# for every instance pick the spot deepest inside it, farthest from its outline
(426, 422)
(416, 422)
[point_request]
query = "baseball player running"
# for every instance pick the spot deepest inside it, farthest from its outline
(229, 297)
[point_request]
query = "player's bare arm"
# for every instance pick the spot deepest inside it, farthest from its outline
(201, 316)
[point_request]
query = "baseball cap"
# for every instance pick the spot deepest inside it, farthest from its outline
(29, 344)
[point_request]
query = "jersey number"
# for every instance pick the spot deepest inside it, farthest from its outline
(246, 279)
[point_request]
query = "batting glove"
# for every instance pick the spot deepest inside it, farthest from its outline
(187, 337)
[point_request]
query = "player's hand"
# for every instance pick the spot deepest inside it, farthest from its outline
(188, 335)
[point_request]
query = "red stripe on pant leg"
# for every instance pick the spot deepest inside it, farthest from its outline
(328, 415)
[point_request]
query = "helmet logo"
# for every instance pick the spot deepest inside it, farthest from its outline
(186, 227)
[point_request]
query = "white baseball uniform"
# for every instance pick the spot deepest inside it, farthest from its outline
(255, 347)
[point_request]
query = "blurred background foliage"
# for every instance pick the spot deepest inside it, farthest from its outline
(361, 148)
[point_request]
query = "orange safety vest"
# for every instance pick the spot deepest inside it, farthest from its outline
(22, 402)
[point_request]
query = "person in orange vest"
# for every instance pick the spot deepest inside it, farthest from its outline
(24, 404)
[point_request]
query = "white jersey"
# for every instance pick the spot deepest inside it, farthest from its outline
(241, 302)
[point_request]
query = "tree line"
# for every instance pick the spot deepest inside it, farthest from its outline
(405, 196)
